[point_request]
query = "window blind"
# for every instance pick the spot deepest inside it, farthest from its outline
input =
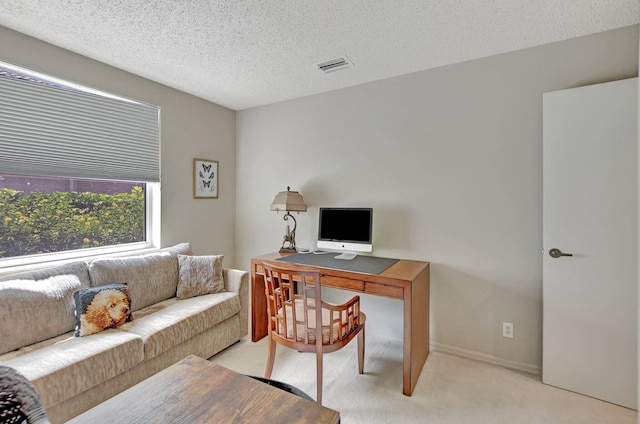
(52, 130)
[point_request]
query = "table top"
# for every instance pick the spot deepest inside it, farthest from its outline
(403, 270)
(195, 390)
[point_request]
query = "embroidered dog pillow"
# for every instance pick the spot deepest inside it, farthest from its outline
(102, 307)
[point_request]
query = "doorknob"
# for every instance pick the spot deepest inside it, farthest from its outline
(556, 253)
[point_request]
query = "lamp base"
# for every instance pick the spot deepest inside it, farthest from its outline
(288, 250)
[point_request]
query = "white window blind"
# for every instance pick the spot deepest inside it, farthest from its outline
(52, 130)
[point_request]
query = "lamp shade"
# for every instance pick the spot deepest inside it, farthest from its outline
(288, 201)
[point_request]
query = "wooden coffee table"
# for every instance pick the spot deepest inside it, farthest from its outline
(195, 390)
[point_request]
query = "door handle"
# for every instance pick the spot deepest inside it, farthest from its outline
(556, 253)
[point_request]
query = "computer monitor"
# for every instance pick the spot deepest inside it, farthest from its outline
(346, 229)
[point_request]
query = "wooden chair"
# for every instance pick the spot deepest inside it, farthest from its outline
(289, 309)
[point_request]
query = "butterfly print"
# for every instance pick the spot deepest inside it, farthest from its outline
(206, 179)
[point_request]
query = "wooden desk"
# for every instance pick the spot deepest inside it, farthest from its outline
(197, 391)
(405, 280)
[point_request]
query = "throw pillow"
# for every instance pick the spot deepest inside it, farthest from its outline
(199, 275)
(19, 399)
(99, 308)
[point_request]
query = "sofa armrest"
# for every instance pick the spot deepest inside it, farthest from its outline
(236, 280)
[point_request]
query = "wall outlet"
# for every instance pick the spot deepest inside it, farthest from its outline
(507, 330)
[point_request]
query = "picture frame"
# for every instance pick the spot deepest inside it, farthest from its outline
(205, 178)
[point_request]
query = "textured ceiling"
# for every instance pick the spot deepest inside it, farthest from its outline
(248, 53)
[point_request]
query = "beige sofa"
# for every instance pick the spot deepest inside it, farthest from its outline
(73, 374)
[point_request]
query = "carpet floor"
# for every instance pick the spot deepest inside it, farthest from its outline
(449, 390)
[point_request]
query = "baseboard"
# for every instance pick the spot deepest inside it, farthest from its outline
(489, 359)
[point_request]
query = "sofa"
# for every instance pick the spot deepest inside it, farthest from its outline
(38, 322)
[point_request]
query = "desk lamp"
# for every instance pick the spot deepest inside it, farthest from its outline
(289, 201)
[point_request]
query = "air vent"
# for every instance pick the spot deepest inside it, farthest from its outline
(335, 64)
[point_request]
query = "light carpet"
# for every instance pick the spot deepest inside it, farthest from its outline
(449, 390)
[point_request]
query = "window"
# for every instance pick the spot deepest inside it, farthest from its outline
(45, 215)
(79, 169)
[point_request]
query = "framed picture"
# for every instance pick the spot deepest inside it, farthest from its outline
(205, 179)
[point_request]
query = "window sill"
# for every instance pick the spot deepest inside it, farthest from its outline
(10, 266)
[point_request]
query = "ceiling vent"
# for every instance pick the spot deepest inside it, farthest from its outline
(335, 64)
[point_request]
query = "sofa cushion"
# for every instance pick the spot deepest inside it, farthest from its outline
(151, 278)
(178, 249)
(100, 308)
(24, 350)
(76, 364)
(199, 275)
(78, 268)
(35, 310)
(176, 320)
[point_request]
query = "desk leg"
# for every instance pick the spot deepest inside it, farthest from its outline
(416, 330)
(258, 307)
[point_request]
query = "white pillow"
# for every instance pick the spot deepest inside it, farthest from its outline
(199, 275)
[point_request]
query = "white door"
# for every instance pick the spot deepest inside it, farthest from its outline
(590, 212)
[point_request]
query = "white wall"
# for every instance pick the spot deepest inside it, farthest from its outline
(639, 249)
(451, 161)
(190, 128)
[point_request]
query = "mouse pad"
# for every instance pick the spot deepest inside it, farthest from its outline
(364, 264)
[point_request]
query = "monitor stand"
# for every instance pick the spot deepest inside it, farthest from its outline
(346, 256)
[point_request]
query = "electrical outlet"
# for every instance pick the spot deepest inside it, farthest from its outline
(507, 330)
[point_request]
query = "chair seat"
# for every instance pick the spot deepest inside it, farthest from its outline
(300, 327)
(19, 399)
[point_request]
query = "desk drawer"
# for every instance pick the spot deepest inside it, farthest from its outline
(381, 289)
(342, 283)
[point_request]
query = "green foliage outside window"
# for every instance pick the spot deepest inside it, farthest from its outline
(41, 222)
